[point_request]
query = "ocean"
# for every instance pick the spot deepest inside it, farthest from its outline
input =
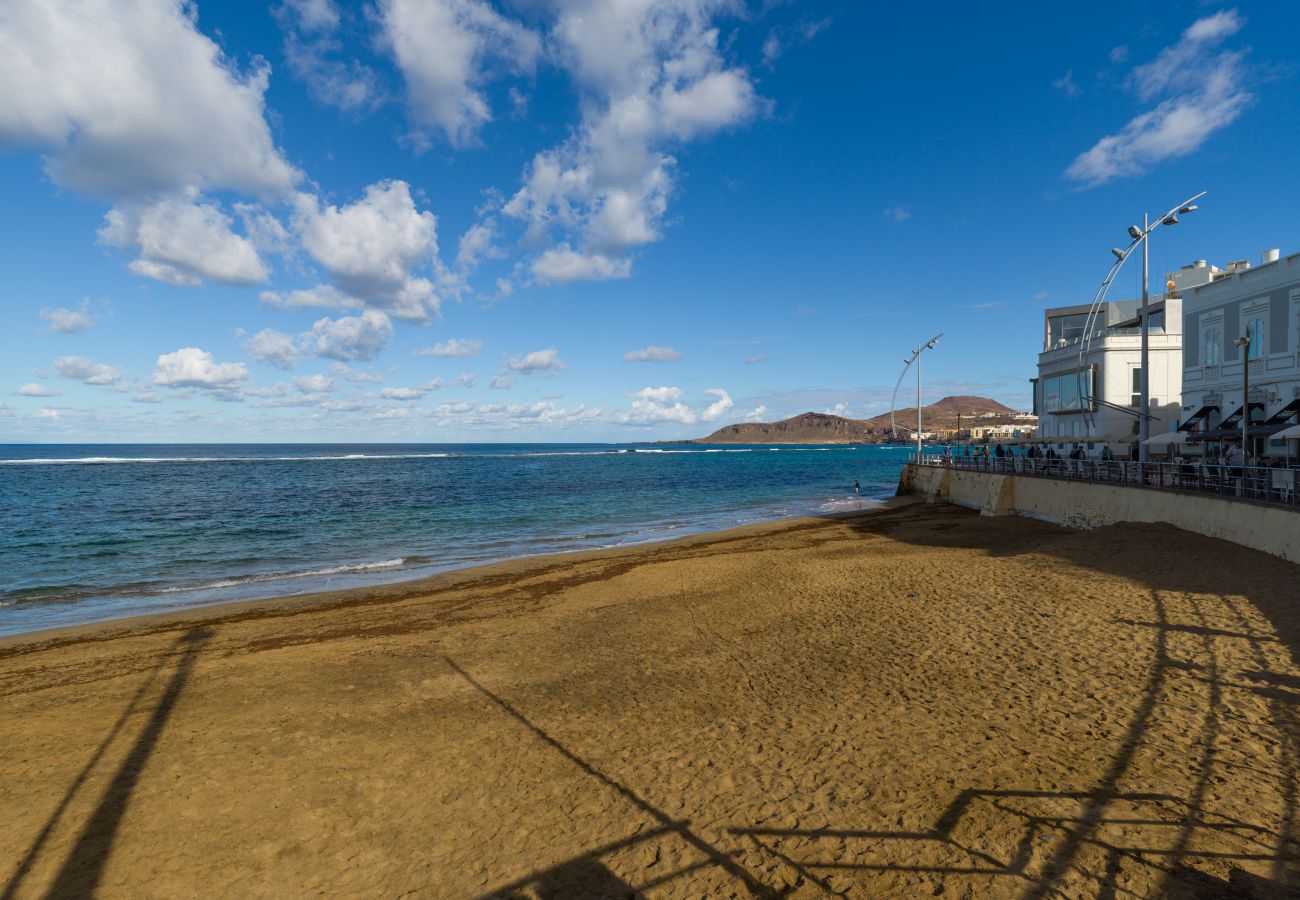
(94, 532)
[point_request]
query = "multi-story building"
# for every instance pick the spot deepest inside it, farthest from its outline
(1220, 307)
(1088, 388)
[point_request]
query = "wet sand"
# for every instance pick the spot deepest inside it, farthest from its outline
(909, 703)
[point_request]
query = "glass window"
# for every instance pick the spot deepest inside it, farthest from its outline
(1066, 328)
(1070, 391)
(1052, 394)
(1213, 345)
(1136, 399)
(1255, 329)
(1158, 321)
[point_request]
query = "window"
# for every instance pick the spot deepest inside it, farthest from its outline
(1157, 320)
(1136, 399)
(1258, 336)
(1068, 391)
(1065, 328)
(1212, 346)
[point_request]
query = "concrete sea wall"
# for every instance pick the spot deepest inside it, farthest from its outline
(1082, 504)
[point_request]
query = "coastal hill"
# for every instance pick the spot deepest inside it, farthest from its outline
(824, 428)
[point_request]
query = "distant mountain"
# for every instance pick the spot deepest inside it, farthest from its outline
(823, 428)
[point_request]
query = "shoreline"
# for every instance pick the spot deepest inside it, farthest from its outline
(401, 589)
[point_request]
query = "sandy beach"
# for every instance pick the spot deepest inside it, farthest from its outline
(910, 703)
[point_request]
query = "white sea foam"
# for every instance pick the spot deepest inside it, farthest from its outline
(109, 460)
(353, 569)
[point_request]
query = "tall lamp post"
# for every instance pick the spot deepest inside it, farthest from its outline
(914, 358)
(1244, 344)
(1139, 236)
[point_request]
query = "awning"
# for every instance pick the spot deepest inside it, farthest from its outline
(1289, 411)
(1164, 440)
(1234, 434)
(1198, 416)
(1289, 434)
(1233, 422)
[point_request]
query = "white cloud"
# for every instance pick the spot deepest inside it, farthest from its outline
(81, 369)
(312, 48)
(371, 248)
(47, 413)
(899, 213)
(69, 321)
(130, 99)
(33, 389)
(477, 244)
(146, 397)
(322, 296)
(755, 415)
(274, 347)
(779, 40)
(441, 47)
(1067, 85)
(755, 359)
(652, 354)
(1119, 54)
(180, 239)
(658, 404)
(501, 382)
(452, 348)
(356, 376)
(410, 393)
(650, 75)
(561, 265)
(718, 407)
(510, 416)
(1207, 95)
(314, 384)
(547, 360)
(465, 379)
(349, 338)
(659, 394)
(192, 367)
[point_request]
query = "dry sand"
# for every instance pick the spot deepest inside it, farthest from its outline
(912, 703)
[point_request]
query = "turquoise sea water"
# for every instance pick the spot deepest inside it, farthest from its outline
(93, 532)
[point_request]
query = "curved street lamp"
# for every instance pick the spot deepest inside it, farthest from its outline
(914, 358)
(1139, 236)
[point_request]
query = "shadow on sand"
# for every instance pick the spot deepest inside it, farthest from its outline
(1091, 835)
(83, 868)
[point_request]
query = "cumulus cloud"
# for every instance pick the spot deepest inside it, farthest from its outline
(34, 389)
(452, 348)
(410, 393)
(273, 347)
(129, 99)
(755, 415)
(510, 416)
(501, 382)
(442, 47)
(650, 75)
(658, 404)
(181, 239)
(755, 359)
(547, 360)
(371, 249)
(477, 244)
(652, 354)
(322, 296)
(716, 409)
(69, 321)
(313, 51)
(561, 265)
(465, 379)
(356, 376)
(79, 368)
(1204, 93)
(195, 368)
(314, 384)
(349, 338)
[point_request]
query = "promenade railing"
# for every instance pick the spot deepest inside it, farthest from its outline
(1274, 486)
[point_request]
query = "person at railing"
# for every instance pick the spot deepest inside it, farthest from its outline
(1107, 458)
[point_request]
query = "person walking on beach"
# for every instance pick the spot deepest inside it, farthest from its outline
(857, 489)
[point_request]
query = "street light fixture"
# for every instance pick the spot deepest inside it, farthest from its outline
(914, 358)
(1140, 236)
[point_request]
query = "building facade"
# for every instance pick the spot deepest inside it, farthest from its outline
(1088, 390)
(1263, 304)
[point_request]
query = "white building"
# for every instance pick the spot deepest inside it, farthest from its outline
(1089, 392)
(1220, 306)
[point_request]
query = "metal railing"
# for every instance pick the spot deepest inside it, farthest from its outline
(1274, 486)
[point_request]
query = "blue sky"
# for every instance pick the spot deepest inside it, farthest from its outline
(593, 219)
